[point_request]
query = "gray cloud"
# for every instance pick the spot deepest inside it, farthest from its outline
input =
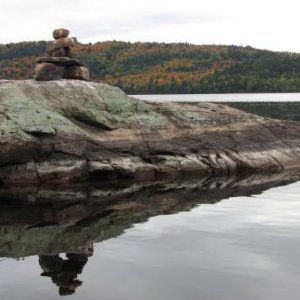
(195, 21)
(96, 27)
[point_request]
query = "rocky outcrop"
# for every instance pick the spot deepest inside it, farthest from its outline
(70, 130)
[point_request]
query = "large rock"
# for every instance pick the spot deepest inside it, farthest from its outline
(47, 71)
(70, 130)
(76, 72)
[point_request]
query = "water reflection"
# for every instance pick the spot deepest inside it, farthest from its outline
(277, 110)
(64, 272)
(61, 226)
(284, 106)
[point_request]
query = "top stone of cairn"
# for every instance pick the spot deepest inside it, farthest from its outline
(60, 33)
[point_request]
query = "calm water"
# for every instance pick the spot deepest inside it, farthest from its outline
(210, 239)
(266, 97)
(281, 106)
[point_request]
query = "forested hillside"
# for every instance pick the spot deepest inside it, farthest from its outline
(169, 68)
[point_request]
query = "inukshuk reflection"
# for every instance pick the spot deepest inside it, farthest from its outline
(58, 62)
(64, 272)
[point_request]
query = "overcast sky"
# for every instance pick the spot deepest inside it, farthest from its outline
(266, 24)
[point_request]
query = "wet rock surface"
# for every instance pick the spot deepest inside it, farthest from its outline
(69, 130)
(59, 61)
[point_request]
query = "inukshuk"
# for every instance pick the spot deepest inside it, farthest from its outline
(58, 62)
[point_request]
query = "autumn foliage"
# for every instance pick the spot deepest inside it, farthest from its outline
(169, 68)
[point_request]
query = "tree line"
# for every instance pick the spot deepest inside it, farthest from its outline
(145, 68)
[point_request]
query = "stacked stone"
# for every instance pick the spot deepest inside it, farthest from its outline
(58, 62)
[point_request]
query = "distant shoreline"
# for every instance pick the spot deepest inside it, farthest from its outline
(224, 98)
(147, 68)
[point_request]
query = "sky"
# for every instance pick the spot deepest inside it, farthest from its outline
(263, 24)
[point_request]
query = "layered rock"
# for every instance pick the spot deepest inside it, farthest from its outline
(68, 130)
(58, 62)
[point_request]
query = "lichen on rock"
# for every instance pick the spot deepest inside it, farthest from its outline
(104, 133)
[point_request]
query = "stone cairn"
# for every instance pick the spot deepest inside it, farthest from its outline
(58, 62)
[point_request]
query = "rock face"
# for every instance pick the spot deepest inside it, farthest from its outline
(69, 130)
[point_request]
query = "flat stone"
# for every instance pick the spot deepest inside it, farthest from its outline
(39, 129)
(47, 71)
(77, 72)
(60, 61)
(60, 33)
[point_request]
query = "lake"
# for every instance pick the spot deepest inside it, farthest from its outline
(276, 105)
(207, 238)
(238, 97)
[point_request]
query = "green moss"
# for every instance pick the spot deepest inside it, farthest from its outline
(49, 107)
(191, 116)
(151, 120)
(11, 128)
(31, 117)
(96, 118)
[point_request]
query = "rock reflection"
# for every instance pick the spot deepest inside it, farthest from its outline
(64, 272)
(48, 221)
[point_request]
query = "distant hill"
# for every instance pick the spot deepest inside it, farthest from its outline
(169, 68)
